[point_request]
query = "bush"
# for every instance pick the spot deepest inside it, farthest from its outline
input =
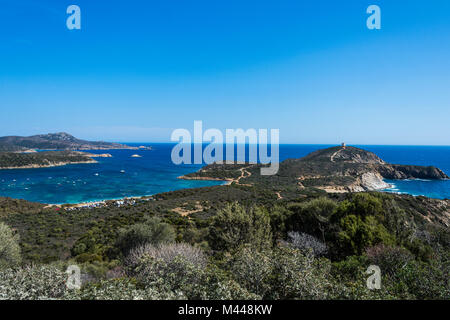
(420, 280)
(9, 247)
(182, 270)
(357, 233)
(167, 253)
(306, 243)
(299, 276)
(252, 269)
(153, 231)
(174, 267)
(312, 216)
(389, 259)
(32, 283)
(235, 226)
(284, 273)
(119, 289)
(217, 285)
(361, 204)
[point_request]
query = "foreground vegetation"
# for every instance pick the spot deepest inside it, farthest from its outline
(244, 243)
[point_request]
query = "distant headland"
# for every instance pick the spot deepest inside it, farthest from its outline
(60, 149)
(335, 170)
(57, 141)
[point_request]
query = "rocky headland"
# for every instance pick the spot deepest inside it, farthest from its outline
(337, 169)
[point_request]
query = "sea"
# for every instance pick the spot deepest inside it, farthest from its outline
(154, 172)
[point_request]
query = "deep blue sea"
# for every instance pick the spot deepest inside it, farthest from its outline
(125, 176)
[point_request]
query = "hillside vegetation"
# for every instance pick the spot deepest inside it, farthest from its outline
(9, 160)
(252, 239)
(51, 141)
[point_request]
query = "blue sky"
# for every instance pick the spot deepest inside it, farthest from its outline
(139, 69)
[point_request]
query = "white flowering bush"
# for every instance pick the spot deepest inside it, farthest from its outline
(167, 253)
(183, 270)
(32, 283)
(307, 243)
(121, 289)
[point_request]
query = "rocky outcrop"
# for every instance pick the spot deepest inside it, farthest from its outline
(373, 181)
(396, 172)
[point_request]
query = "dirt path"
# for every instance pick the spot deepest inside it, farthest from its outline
(334, 154)
(244, 174)
(185, 213)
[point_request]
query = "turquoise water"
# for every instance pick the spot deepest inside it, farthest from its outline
(110, 178)
(124, 176)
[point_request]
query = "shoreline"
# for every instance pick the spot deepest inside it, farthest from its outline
(148, 197)
(142, 197)
(95, 202)
(227, 181)
(57, 164)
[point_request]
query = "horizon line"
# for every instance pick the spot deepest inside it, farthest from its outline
(293, 143)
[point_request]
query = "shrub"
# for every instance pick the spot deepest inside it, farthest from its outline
(349, 281)
(420, 280)
(252, 269)
(306, 243)
(299, 276)
(167, 253)
(234, 226)
(9, 247)
(284, 273)
(174, 267)
(389, 259)
(119, 289)
(358, 233)
(311, 217)
(32, 283)
(182, 270)
(217, 285)
(153, 231)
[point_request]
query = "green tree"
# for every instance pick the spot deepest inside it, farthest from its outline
(311, 217)
(361, 204)
(9, 247)
(235, 226)
(358, 233)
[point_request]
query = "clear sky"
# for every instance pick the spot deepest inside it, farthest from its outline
(139, 69)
